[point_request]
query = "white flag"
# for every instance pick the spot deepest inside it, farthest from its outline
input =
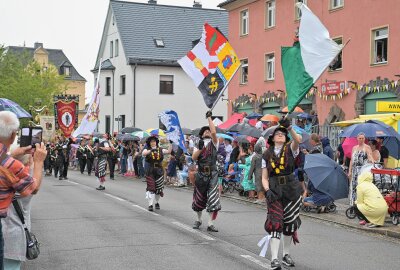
(89, 122)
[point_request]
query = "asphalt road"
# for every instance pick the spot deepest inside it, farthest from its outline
(82, 228)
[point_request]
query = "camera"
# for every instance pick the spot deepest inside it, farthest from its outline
(31, 136)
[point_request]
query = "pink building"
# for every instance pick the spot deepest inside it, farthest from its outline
(367, 71)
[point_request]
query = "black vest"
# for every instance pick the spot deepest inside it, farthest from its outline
(208, 156)
(289, 163)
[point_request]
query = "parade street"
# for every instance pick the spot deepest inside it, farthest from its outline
(82, 228)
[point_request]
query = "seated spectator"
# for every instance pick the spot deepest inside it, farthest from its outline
(13, 174)
(370, 206)
(317, 199)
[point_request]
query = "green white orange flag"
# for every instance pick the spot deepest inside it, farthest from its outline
(304, 63)
(211, 64)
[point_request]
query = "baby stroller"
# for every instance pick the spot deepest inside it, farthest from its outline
(318, 201)
(231, 179)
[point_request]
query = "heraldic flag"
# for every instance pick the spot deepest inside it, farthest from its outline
(304, 63)
(211, 64)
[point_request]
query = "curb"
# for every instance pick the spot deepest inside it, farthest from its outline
(382, 231)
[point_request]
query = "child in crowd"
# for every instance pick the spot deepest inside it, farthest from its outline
(171, 169)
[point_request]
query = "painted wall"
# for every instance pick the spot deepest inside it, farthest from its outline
(355, 20)
(77, 88)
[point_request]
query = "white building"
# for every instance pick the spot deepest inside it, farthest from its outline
(140, 76)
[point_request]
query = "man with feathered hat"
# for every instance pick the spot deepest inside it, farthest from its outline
(206, 195)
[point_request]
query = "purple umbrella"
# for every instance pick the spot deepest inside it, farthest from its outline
(8, 105)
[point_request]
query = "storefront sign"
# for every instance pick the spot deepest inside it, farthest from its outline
(388, 106)
(332, 88)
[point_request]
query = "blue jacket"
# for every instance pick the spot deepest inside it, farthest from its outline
(327, 149)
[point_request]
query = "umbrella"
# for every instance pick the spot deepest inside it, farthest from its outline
(253, 115)
(305, 137)
(391, 142)
(129, 129)
(242, 139)
(250, 131)
(225, 136)
(371, 130)
(129, 137)
(270, 118)
(217, 121)
(238, 127)
(285, 110)
(188, 131)
(156, 132)
(304, 115)
(266, 133)
(348, 145)
(140, 134)
(11, 106)
(326, 175)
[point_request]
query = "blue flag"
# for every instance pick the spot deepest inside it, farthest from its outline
(173, 131)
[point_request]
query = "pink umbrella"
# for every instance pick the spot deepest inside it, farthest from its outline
(348, 145)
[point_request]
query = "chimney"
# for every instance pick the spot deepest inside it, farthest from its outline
(197, 4)
(38, 45)
(153, 2)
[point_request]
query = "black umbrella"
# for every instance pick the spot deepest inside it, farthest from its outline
(196, 131)
(238, 127)
(266, 133)
(187, 131)
(251, 131)
(128, 137)
(129, 129)
(242, 139)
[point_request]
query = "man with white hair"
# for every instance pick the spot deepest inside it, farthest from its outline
(13, 175)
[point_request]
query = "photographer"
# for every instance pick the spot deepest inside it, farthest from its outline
(13, 175)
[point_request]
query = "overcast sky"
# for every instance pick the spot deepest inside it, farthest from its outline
(75, 26)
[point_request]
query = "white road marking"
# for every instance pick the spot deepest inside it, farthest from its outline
(72, 182)
(115, 197)
(254, 260)
(187, 228)
(145, 210)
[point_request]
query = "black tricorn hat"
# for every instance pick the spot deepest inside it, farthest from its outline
(149, 139)
(202, 130)
(282, 129)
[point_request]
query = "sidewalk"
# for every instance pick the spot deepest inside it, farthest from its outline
(339, 217)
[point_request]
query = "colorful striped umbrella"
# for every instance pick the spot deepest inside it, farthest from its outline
(155, 132)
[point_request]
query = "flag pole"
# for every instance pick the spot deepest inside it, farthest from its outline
(223, 90)
(347, 42)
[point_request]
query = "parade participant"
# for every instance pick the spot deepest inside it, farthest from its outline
(47, 161)
(89, 156)
(205, 195)
(282, 191)
(154, 173)
(102, 149)
(81, 156)
(112, 158)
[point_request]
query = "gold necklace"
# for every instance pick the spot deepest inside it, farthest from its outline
(281, 161)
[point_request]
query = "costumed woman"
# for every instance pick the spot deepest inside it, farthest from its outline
(102, 149)
(206, 195)
(154, 172)
(283, 193)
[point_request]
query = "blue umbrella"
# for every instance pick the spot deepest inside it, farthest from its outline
(391, 142)
(304, 115)
(326, 175)
(371, 130)
(8, 105)
(305, 137)
(254, 115)
(225, 136)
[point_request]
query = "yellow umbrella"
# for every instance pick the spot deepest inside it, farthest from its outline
(157, 132)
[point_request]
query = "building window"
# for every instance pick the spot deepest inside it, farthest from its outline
(67, 71)
(244, 71)
(108, 86)
(111, 49)
(116, 47)
(270, 12)
(123, 82)
(337, 62)
(108, 123)
(336, 3)
(244, 22)
(380, 45)
(159, 42)
(270, 66)
(122, 116)
(297, 11)
(166, 84)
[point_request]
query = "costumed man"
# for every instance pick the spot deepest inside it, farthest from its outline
(112, 158)
(89, 156)
(102, 149)
(81, 156)
(154, 172)
(283, 192)
(206, 195)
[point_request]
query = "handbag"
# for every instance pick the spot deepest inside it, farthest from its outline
(32, 244)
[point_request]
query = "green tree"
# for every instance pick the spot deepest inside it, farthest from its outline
(23, 80)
